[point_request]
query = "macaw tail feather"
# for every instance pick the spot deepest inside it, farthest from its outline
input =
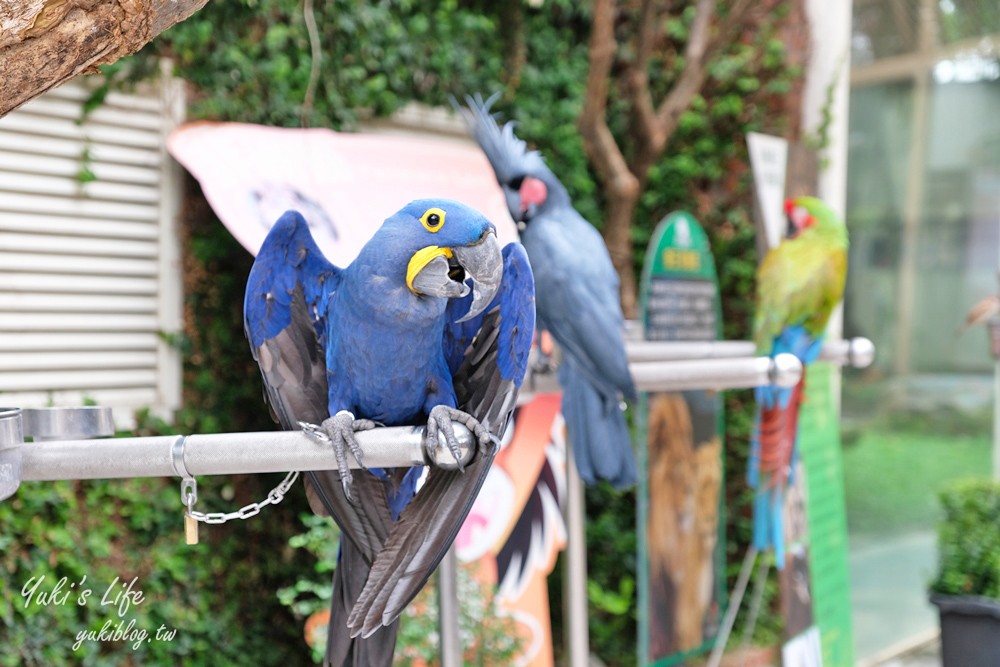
(768, 521)
(773, 445)
(341, 650)
(602, 446)
(776, 434)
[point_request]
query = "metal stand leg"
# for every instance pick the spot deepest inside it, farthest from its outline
(451, 648)
(734, 607)
(760, 583)
(575, 573)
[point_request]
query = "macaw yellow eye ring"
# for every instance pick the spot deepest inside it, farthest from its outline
(432, 219)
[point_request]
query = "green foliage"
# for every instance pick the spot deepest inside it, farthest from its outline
(222, 386)
(85, 174)
(611, 577)
(488, 637)
(87, 534)
(311, 594)
(251, 62)
(968, 540)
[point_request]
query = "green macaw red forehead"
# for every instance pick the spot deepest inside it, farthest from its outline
(798, 214)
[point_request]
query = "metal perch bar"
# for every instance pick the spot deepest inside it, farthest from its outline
(182, 456)
(225, 454)
(855, 352)
(729, 373)
(279, 451)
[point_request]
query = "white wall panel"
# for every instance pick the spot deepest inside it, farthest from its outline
(90, 272)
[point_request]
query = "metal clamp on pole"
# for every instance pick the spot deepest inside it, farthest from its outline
(783, 370)
(11, 439)
(855, 352)
(43, 424)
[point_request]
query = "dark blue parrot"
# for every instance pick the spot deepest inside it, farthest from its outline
(577, 293)
(399, 338)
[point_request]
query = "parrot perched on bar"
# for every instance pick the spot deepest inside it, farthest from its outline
(396, 338)
(799, 283)
(577, 299)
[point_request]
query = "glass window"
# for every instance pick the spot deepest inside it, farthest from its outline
(923, 213)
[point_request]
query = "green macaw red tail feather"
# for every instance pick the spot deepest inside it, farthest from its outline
(771, 458)
(777, 431)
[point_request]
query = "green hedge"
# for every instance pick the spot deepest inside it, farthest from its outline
(969, 540)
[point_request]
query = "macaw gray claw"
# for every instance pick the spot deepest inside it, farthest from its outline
(339, 431)
(440, 422)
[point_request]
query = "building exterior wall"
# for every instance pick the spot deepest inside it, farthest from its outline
(89, 257)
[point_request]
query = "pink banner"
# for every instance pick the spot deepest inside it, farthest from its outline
(344, 184)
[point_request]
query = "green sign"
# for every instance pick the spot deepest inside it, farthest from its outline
(681, 531)
(819, 447)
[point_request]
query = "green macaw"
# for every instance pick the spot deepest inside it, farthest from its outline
(799, 283)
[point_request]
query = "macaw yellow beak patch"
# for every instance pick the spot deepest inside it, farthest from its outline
(421, 259)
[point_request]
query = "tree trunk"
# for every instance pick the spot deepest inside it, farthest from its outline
(618, 237)
(44, 43)
(623, 180)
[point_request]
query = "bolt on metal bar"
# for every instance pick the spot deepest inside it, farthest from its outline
(783, 370)
(856, 352)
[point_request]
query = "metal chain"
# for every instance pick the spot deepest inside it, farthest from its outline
(189, 494)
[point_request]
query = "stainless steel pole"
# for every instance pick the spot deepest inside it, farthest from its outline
(731, 373)
(575, 572)
(856, 352)
(451, 647)
(211, 454)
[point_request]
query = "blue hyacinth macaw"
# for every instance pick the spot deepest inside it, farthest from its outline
(399, 338)
(577, 293)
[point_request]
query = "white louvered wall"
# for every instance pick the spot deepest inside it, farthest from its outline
(89, 273)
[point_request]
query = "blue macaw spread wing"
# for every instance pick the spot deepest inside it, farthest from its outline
(488, 355)
(395, 539)
(284, 322)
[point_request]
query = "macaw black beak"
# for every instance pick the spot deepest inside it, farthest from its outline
(791, 231)
(483, 262)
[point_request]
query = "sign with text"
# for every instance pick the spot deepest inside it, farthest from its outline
(681, 545)
(768, 160)
(822, 503)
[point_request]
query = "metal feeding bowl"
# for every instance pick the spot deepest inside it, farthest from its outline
(67, 423)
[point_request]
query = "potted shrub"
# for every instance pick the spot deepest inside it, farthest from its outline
(967, 589)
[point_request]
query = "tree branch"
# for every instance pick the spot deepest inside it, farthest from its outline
(646, 125)
(600, 144)
(44, 43)
(698, 52)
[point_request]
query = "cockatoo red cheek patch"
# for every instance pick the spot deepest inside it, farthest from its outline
(533, 193)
